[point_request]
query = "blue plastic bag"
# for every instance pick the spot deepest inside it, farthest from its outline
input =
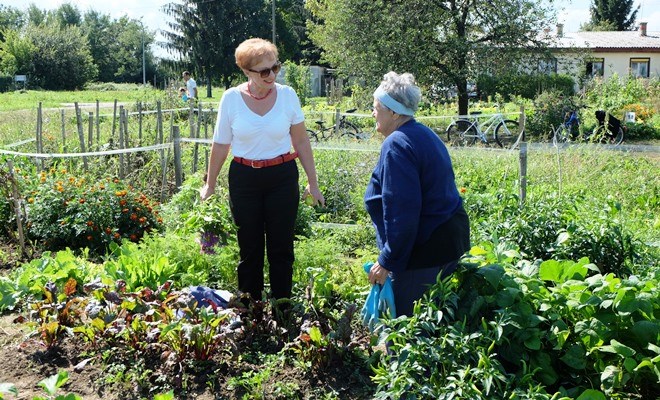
(380, 300)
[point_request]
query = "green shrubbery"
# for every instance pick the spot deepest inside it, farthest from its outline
(65, 210)
(528, 331)
(527, 86)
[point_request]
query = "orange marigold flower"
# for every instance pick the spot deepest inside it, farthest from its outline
(138, 209)
(81, 201)
(89, 237)
(133, 237)
(463, 190)
(122, 202)
(108, 231)
(160, 220)
(102, 187)
(90, 223)
(125, 210)
(31, 200)
(116, 235)
(143, 220)
(133, 217)
(116, 180)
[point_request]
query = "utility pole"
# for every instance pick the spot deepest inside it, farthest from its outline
(144, 71)
(273, 19)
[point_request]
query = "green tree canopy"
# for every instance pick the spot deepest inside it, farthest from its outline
(617, 15)
(205, 34)
(449, 43)
(63, 60)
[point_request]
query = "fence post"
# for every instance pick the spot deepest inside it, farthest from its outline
(139, 123)
(40, 144)
(17, 206)
(337, 119)
(127, 144)
(196, 136)
(114, 120)
(159, 123)
(178, 173)
(121, 142)
(90, 130)
(63, 130)
(206, 136)
(98, 126)
(81, 135)
(523, 158)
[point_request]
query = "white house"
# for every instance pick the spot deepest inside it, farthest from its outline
(605, 53)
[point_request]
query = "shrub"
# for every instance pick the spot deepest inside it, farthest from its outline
(526, 85)
(6, 83)
(642, 131)
(549, 111)
(66, 211)
(300, 79)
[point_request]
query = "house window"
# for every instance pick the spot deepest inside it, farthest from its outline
(548, 66)
(639, 67)
(595, 67)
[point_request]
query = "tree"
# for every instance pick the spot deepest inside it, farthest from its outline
(62, 60)
(449, 43)
(10, 18)
(205, 34)
(608, 14)
(67, 14)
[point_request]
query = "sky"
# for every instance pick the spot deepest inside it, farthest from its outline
(571, 13)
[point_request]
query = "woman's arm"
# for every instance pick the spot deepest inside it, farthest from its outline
(301, 144)
(219, 154)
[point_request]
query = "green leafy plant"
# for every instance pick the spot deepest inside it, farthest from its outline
(66, 211)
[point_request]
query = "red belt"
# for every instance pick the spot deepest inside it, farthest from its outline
(267, 163)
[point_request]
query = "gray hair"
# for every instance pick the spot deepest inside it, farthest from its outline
(402, 88)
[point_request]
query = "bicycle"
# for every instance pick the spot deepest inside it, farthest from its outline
(611, 132)
(568, 129)
(466, 130)
(345, 129)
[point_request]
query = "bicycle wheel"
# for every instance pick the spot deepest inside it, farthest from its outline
(506, 133)
(348, 130)
(603, 135)
(313, 135)
(461, 133)
(562, 135)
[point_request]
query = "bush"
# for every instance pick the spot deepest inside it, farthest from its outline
(6, 83)
(525, 85)
(642, 131)
(549, 110)
(66, 211)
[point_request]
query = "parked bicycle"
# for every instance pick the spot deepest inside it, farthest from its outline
(610, 130)
(345, 129)
(466, 131)
(568, 130)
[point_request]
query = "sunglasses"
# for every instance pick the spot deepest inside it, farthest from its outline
(265, 73)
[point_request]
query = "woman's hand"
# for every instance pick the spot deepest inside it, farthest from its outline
(378, 274)
(206, 191)
(315, 194)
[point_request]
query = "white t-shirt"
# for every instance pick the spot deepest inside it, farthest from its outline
(253, 136)
(191, 85)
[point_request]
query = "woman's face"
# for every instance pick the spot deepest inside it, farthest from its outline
(386, 119)
(254, 73)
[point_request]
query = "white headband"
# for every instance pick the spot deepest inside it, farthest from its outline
(392, 104)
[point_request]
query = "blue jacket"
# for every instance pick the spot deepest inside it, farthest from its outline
(411, 192)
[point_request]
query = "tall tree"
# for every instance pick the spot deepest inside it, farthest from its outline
(449, 43)
(205, 34)
(618, 14)
(62, 60)
(66, 15)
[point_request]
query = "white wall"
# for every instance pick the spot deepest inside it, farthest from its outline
(613, 62)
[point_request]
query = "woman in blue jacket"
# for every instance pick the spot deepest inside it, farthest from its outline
(422, 229)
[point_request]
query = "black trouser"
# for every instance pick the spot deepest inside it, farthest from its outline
(265, 201)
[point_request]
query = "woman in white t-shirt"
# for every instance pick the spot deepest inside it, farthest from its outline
(261, 120)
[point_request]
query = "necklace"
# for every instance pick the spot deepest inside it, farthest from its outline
(255, 97)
